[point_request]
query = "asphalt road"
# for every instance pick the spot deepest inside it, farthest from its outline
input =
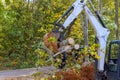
(24, 73)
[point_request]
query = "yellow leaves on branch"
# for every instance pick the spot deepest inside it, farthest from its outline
(15, 63)
(97, 57)
(57, 16)
(52, 39)
(76, 32)
(1, 58)
(92, 51)
(42, 30)
(40, 52)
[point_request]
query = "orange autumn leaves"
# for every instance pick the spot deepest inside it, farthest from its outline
(51, 41)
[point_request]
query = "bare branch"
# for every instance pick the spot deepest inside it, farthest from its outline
(58, 53)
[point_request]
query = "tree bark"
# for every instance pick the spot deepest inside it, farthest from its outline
(85, 30)
(116, 19)
(100, 6)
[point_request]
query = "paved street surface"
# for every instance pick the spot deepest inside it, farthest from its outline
(24, 74)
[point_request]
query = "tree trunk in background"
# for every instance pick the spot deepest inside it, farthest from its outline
(100, 6)
(116, 19)
(86, 31)
(84, 24)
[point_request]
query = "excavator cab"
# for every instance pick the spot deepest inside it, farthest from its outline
(113, 63)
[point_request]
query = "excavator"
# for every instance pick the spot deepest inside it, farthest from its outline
(103, 68)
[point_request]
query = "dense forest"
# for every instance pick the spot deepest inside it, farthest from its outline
(24, 23)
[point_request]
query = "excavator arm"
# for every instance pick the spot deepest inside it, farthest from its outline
(101, 32)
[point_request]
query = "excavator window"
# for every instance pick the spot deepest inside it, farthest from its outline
(113, 57)
(114, 51)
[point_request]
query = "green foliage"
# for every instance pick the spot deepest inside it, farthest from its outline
(23, 24)
(52, 39)
(42, 57)
(77, 29)
(111, 26)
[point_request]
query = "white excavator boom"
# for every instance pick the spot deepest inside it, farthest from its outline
(102, 35)
(101, 32)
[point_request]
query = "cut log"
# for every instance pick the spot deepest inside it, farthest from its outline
(76, 46)
(70, 41)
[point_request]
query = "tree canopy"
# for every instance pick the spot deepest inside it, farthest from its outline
(23, 24)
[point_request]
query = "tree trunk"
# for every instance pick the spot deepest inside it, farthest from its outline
(100, 6)
(85, 31)
(116, 19)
